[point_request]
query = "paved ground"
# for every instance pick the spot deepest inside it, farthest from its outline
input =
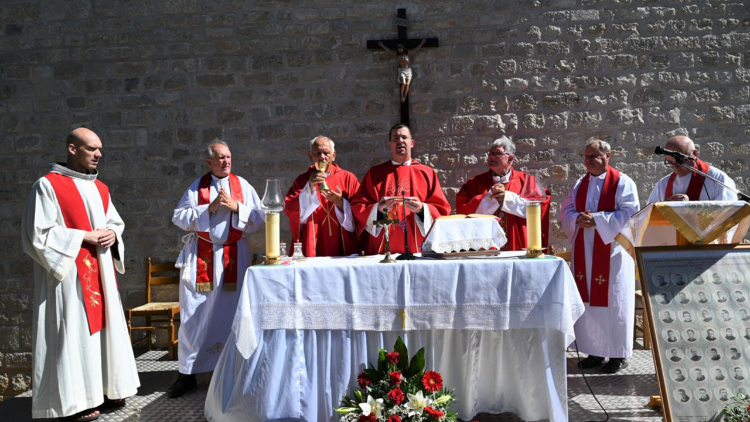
(624, 396)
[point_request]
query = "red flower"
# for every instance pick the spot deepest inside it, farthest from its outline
(436, 414)
(432, 381)
(392, 357)
(370, 418)
(396, 395)
(394, 418)
(395, 378)
(363, 380)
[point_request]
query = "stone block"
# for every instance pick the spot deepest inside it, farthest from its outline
(648, 96)
(523, 102)
(227, 115)
(515, 84)
(555, 48)
(720, 115)
(625, 118)
(565, 100)
(215, 80)
(521, 50)
(585, 120)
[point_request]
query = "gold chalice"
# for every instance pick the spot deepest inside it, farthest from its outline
(322, 166)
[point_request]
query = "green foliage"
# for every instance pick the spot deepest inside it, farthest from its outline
(738, 409)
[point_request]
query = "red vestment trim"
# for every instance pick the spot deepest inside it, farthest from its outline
(87, 263)
(696, 182)
(602, 252)
(205, 271)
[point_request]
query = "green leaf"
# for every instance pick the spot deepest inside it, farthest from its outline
(403, 355)
(382, 363)
(417, 363)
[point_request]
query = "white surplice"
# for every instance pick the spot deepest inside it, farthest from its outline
(711, 191)
(606, 331)
(512, 202)
(206, 317)
(73, 369)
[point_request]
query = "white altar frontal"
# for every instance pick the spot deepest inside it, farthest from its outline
(495, 328)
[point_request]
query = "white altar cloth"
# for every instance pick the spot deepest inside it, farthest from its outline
(496, 329)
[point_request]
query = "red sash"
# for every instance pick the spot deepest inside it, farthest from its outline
(600, 261)
(205, 274)
(87, 263)
(696, 182)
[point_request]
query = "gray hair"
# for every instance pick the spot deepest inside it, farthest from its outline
(209, 148)
(506, 144)
(312, 142)
(602, 146)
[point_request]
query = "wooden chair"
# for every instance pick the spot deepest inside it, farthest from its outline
(167, 274)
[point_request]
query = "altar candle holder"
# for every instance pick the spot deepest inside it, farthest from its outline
(272, 204)
(534, 193)
(386, 224)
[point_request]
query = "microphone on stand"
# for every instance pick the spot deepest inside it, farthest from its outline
(678, 156)
(406, 256)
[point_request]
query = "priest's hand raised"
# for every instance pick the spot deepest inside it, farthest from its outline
(100, 237)
(337, 198)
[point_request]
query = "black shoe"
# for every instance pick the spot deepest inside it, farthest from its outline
(590, 362)
(183, 384)
(614, 365)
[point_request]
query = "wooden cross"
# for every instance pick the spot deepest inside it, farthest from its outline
(402, 313)
(408, 43)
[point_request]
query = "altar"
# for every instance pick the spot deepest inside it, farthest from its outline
(495, 328)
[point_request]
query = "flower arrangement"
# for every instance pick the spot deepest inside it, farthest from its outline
(398, 390)
(738, 409)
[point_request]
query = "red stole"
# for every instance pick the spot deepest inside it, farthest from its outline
(87, 262)
(474, 191)
(388, 179)
(696, 182)
(601, 259)
(322, 234)
(205, 274)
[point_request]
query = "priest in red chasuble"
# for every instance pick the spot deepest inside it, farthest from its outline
(684, 185)
(322, 218)
(379, 197)
(81, 353)
(600, 204)
(497, 192)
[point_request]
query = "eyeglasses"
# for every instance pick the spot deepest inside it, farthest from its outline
(592, 157)
(499, 154)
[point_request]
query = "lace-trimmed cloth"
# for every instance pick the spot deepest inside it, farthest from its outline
(456, 235)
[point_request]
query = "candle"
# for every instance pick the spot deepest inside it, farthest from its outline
(534, 226)
(272, 237)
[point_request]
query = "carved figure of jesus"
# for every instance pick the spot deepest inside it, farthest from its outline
(404, 65)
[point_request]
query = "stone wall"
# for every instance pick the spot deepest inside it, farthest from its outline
(159, 79)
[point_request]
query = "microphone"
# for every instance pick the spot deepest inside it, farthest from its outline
(678, 156)
(407, 255)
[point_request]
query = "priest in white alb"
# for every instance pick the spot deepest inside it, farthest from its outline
(595, 211)
(217, 211)
(685, 185)
(82, 358)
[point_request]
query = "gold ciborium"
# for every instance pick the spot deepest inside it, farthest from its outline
(386, 225)
(322, 166)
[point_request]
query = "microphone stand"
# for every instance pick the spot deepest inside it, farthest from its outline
(406, 256)
(740, 195)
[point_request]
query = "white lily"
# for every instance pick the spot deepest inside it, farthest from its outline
(417, 403)
(372, 406)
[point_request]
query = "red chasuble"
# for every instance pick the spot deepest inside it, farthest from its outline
(602, 252)
(474, 191)
(322, 234)
(696, 182)
(205, 271)
(87, 262)
(388, 179)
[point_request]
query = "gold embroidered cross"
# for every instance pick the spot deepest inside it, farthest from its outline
(402, 313)
(329, 219)
(600, 279)
(580, 276)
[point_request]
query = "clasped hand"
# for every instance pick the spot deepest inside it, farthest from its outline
(100, 237)
(223, 200)
(413, 204)
(585, 219)
(497, 191)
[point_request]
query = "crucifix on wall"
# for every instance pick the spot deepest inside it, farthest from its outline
(400, 48)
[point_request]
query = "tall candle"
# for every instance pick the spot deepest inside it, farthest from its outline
(272, 236)
(533, 226)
